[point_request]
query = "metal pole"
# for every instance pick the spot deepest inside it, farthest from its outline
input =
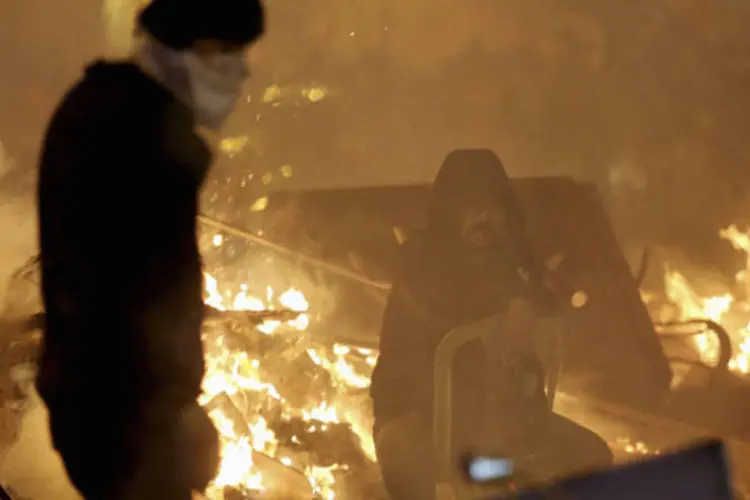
(335, 269)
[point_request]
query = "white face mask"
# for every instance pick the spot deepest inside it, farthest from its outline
(215, 85)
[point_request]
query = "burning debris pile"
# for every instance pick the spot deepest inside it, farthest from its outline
(728, 305)
(277, 391)
(292, 407)
(293, 411)
(294, 414)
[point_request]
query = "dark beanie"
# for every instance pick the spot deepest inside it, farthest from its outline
(179, 23)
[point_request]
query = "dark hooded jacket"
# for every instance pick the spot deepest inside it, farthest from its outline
(120, 174)
(442, 285)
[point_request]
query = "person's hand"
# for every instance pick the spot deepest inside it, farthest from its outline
(553, 280)
(201, 444)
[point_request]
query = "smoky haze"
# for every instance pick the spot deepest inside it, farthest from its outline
(646, 98)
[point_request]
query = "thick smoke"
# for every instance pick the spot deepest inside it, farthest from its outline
(16, 219)
(30, 466)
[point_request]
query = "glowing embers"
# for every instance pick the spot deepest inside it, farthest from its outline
(285, 406)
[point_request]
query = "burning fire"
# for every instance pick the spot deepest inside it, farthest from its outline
(724, 308)
(231, 372)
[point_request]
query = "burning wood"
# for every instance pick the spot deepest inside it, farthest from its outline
(256, 317)
(728, 308)
(269, 389)
(274, 393)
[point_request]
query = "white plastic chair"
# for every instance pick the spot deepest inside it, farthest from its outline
(548, 343)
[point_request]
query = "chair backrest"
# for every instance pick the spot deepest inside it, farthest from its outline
(549, 345)
(552, 331)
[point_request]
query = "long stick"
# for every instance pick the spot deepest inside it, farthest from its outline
(341, 271)
(257, 317)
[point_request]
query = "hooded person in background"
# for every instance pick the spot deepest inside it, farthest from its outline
(122, 360)
(472, 261)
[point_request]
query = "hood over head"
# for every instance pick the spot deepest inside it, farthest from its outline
(460, 280)
(465, 174)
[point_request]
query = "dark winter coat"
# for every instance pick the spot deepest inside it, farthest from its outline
(442, 285)
(120, 174)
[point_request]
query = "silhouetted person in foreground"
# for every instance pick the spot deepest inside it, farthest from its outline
(472, 261)
(122, 283)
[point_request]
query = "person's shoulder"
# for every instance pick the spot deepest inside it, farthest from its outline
(413, 277)
(116, 106)
(413, 248)
(111, 93)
